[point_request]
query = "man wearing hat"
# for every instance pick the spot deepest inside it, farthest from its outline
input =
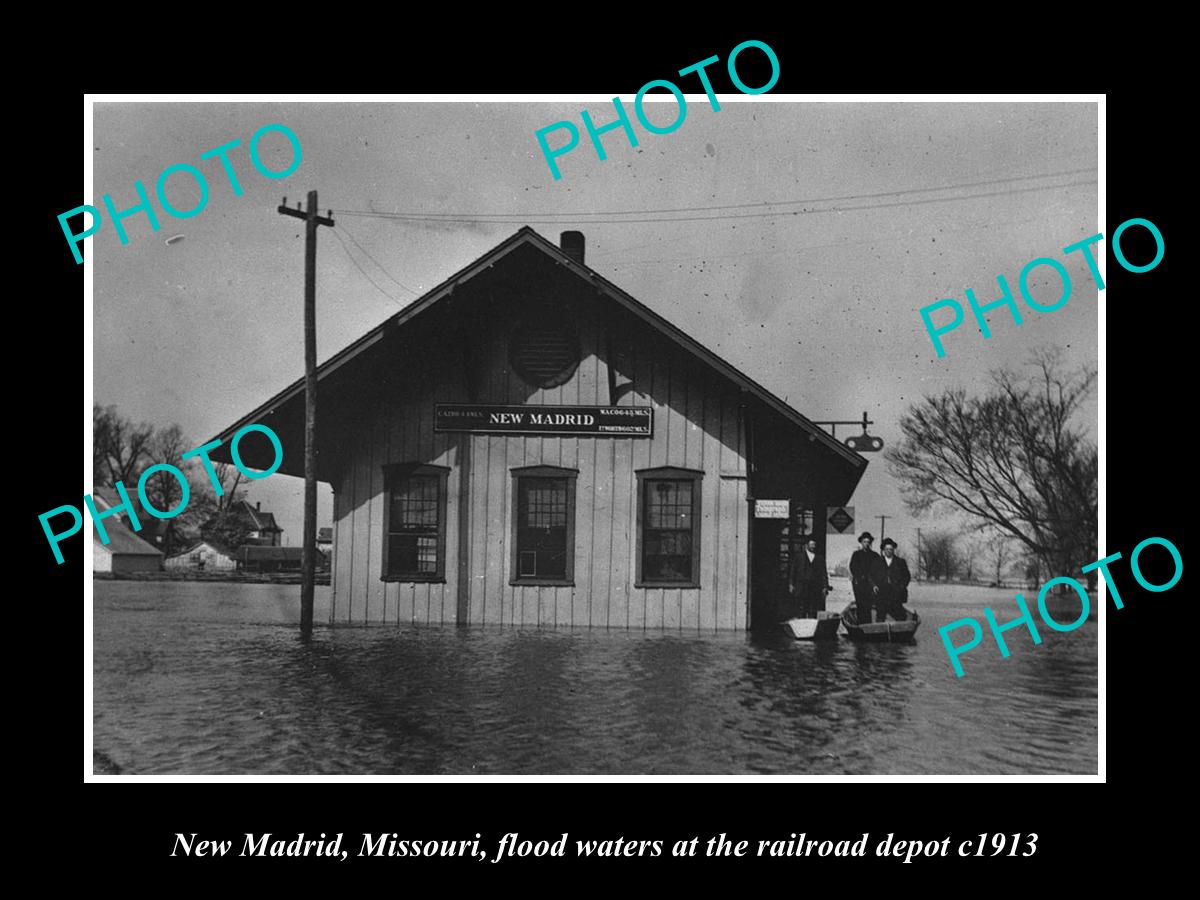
(889, 583)
(860, 576)
(808, 579)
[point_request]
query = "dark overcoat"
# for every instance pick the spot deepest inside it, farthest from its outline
(860, 574)
(890, 584)
(809, 581)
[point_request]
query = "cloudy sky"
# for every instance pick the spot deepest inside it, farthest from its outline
(815, 298)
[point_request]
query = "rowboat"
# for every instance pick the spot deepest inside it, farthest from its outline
(878, 631)
(823, 627)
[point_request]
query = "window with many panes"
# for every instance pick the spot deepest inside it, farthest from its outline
(543, 525)
(668, 527)
(792, 538)
(414, 523)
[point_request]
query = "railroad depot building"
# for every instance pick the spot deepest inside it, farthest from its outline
(527, 444)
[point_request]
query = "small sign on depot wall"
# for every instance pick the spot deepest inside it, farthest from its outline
(840, 518)
(771, 509)
(592, 421)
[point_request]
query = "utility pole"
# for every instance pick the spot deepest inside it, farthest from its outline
(882, 535)
(920, 566)
(308, 557)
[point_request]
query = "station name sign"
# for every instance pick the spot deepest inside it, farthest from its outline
(594, 421)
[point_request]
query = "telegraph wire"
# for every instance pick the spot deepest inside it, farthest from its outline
(397, 281)
(349, 256)
(586, 217)
(631, 212)
(797, 212)
(762, 215)
(625, 261)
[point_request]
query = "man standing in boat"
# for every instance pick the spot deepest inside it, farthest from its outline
(808, 580)
(889, 583)
(860, 576)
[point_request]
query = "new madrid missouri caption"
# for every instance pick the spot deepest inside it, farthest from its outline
(512, 846)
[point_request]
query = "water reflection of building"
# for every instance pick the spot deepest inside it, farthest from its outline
(528, 444)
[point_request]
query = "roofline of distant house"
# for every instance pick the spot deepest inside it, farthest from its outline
(528, 235)
(257, 514)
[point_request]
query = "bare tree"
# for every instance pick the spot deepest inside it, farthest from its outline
(164, 490)
(999, 552)
(969, 548)
(119, 447)
(1010, 459)
(230, 478)
(122, 451)
(102, 439)
(939, 558)
(167, 445)
(212, 517)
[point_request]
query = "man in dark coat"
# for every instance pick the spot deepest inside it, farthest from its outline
(808, 580)
(889, 583)
(860, 576)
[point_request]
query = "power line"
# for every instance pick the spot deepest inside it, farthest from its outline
(362, 270)
(733, 205)
(762, 215)
(586, 216)
(624, 260)
(399, 283)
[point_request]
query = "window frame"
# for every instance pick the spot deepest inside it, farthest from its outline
(668, 473)
(393, 473)
(571, 476)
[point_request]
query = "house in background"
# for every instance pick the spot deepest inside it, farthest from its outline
(208, 556)
(125, 553)
(263, 529)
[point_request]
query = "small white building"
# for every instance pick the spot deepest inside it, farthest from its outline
(125, 552)
(206, 556)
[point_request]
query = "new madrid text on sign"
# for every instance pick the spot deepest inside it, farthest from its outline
(599, 421)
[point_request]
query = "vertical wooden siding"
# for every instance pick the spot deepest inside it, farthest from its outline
(696, 426)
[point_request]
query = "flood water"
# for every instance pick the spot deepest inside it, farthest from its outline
(211, 678)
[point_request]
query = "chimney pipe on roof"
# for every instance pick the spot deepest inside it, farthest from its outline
(258, 506)
(571, 243)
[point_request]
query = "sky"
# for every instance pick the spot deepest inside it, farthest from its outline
(818, 301)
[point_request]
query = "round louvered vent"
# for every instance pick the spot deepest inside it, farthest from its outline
(544, 350)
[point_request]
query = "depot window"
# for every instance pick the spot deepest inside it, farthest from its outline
(414, 523)
(668, 528)
(543, 526)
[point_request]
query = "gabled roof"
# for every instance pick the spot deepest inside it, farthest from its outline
(121, 538)
(106, 498)
(212, 545)
(261, 521)
(527, 236)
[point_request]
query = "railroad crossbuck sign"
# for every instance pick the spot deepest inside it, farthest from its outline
(841, 518)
